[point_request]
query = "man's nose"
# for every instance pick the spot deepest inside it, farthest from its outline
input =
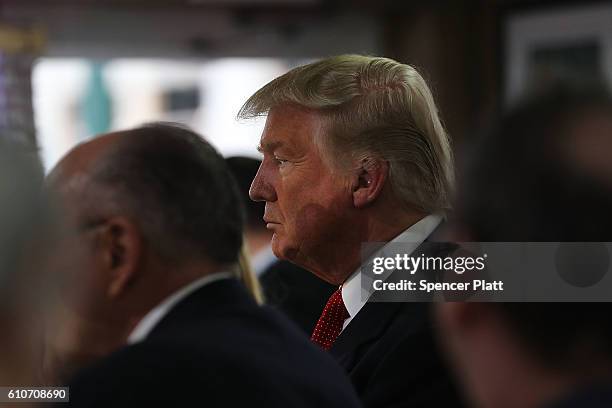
(261, 188)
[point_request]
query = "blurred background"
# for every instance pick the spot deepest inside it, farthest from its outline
(70, 69)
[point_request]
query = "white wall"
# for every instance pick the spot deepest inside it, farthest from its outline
(136, 87)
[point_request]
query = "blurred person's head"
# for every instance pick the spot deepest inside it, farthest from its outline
(256, 235)
(544, 174)
(150, 209)
(25, 231)
(354, 151)
(545, 171)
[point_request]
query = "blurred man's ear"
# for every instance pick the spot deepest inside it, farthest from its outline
(120, 244)
(369, 181)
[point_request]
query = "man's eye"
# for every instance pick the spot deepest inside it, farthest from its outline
(280, 161)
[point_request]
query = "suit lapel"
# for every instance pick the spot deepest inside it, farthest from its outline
(372, 321)
(365, 328)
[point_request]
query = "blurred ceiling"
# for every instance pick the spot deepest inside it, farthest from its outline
(213, 28)
(196, 28)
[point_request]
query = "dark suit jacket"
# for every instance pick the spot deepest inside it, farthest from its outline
(596, 396)
(296, 292)
(217, 348)
(391, 355)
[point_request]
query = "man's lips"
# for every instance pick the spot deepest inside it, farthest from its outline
(270, 223)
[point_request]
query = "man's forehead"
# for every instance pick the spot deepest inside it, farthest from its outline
(290, 128)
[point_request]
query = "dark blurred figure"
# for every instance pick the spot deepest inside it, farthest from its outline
(158, 217)
(291, 289)
(545, 174)
(25, 235)
(549, 166)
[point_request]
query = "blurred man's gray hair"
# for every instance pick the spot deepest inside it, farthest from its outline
(373, 108)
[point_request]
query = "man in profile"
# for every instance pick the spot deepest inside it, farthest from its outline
(156, 217)
(354, 152)
(543, 175)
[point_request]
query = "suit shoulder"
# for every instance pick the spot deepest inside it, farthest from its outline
(165, 372)
(159, 373)
(138, 373)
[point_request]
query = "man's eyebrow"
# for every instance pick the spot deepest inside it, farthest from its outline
(269, 147)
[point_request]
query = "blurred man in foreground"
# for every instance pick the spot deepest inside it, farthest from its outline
(544, 175)
(354, 152)
(25, 236)
(157, 217)
(287, 287)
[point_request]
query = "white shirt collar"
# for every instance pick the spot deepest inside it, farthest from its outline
(151, 319)
(353, 296)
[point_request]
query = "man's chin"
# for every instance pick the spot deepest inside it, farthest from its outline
(282, 250)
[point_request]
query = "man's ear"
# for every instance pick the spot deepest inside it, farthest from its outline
(369, 181)
(121, 244)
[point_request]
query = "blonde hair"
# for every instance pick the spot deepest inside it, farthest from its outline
(373, 108)
(248, 278)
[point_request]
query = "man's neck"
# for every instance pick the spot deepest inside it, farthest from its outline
(148, 323)
(345, 255)
(384, 228)
(163, 281)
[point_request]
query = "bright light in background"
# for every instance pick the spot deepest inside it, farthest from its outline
(56, 85)
(227, 83)
(138, 90)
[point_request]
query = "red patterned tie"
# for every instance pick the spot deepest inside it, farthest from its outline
(330, 323)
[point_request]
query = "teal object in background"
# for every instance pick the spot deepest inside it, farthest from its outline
(97, 103)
